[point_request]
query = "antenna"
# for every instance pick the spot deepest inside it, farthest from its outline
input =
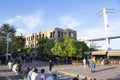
(105, 11)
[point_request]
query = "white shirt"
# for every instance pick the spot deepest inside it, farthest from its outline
(34, 76)
(14, 68)
(29, 75)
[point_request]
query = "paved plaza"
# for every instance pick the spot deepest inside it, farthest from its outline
(108, 72)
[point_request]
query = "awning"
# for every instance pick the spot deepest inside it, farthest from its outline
(114, 53)
(99, 53)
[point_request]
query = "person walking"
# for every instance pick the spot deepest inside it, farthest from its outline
(34, 74)
(10, 64)
(94, 64)
(41, 76)
(50, 65)
(15, 68)
(30, 73)
(84, 62)
(91, 64)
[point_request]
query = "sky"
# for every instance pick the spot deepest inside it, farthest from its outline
(29, 16)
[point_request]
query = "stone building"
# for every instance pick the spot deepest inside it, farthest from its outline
(55, 34)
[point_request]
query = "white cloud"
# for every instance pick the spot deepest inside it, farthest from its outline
(10, 20)
(31, 20)
(114, 28)
(99, 32)
(21, 31)
(69, 21)
(91, 33)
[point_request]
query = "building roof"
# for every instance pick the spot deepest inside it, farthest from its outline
(113, 53)
(99, 53)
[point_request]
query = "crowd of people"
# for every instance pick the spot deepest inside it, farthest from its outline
(31, 73)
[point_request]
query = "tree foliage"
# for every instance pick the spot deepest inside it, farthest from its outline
(58, 49)
(80, 48)
(6, 30)
(18, 43)
(45, 45)
(2, 45)
(64, 47)
(69, 47)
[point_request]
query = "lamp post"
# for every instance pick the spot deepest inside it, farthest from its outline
(7, 40)
(11, 31)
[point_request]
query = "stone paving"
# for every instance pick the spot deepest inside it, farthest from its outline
(6, 74)
(108, 72)
(103, 72)
(111, 72)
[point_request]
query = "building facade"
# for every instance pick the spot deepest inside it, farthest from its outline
(55, 34)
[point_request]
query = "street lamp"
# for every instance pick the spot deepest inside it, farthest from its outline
(11, 31)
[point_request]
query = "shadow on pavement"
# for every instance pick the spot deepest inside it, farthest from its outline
(5, 70)
(105, 69)
(116, 78)
(3, 78)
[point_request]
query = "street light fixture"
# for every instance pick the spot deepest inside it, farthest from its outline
(11, 31)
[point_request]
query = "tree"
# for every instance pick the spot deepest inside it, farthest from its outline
(3, 32)
(80, 48)
(64, 47)
(70, 49)
(45, 45)
(58, 49)
(2, 45)
(6, 32)
(18, 43)
(7, 28)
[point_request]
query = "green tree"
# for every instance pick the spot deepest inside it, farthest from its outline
(4, 30)
(7, 30)
(3, 33)
(80, 48)
(70, 49)
(45, 45)
(64, 47)
(2, 45)
(18, 43)
(58, 49)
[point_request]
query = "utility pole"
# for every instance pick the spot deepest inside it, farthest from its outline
(7, 49)
(11, 31)
(105, 11)
(106, 29)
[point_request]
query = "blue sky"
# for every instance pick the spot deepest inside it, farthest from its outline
(29, 16)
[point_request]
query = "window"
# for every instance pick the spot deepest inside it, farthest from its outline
(50, 34)
(53, 33)
(58, 34)
(39, 35)
(42, 35)
(62, 34)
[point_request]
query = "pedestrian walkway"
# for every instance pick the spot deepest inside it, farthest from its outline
(108, 72)
(103, 72)
(6, 74)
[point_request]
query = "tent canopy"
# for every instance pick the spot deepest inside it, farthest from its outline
(113, 53)
(99, 53)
